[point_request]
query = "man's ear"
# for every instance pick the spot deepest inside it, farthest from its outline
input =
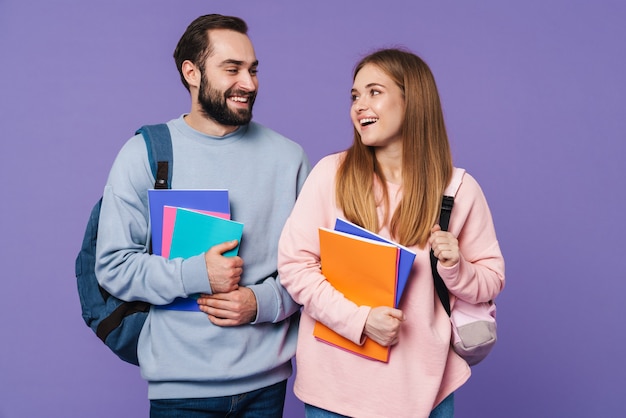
(192, 74)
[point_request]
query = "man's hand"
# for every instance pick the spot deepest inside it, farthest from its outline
(383, 325)
(230, 309)
(445, 246)
(224, 272)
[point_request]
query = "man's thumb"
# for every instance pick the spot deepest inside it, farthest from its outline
(225, 246)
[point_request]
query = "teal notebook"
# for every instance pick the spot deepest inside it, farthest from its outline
(194, 233)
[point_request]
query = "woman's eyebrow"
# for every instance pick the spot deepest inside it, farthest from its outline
(369, 86)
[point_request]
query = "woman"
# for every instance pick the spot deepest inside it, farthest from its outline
(389, 181)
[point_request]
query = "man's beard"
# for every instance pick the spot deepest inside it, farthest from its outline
(214, 105)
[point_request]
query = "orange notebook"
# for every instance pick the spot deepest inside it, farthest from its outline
(363, 270)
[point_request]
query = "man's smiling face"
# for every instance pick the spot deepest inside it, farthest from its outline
(229, 82)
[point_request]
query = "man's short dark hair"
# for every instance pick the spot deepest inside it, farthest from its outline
(195, 44)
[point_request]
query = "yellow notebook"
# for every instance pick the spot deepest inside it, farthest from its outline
(363, 270)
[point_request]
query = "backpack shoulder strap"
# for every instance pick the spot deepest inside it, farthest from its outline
(159, 145)
(448, 197)
(455, 182)
(444, 219)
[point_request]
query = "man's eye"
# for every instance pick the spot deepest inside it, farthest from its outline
(254, 71)
(232, 70)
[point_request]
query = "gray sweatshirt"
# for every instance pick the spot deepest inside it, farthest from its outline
(181, 353)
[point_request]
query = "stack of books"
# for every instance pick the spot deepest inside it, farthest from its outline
(186, 223)
(369, 270)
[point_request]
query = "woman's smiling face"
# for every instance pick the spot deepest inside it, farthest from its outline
(377, 110)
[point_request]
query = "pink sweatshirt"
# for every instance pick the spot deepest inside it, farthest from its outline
(422, 368)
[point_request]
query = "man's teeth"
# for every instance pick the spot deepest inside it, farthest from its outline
(239, 99)
(368, 121)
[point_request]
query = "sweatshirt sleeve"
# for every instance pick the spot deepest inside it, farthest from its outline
(274, 303)
(299, 256)
(479, 274)
(124, 266)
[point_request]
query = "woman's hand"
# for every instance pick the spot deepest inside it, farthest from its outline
(445, 246)
(383, 325)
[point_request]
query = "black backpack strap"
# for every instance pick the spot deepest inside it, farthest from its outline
(444, 219)
(115, 318)
(159, 145)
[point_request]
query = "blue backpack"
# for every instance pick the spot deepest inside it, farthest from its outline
(118, 323)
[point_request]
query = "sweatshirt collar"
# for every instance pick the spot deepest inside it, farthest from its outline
(187, 130)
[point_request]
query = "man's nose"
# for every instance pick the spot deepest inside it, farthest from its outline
(247, 81)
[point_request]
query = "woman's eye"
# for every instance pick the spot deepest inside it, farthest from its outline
(354, 97)
(374, 92)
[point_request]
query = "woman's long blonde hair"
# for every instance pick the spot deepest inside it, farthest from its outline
(426, 157)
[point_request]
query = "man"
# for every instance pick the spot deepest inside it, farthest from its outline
(236, 362)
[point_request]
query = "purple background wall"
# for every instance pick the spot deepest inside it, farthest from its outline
(533, 94)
